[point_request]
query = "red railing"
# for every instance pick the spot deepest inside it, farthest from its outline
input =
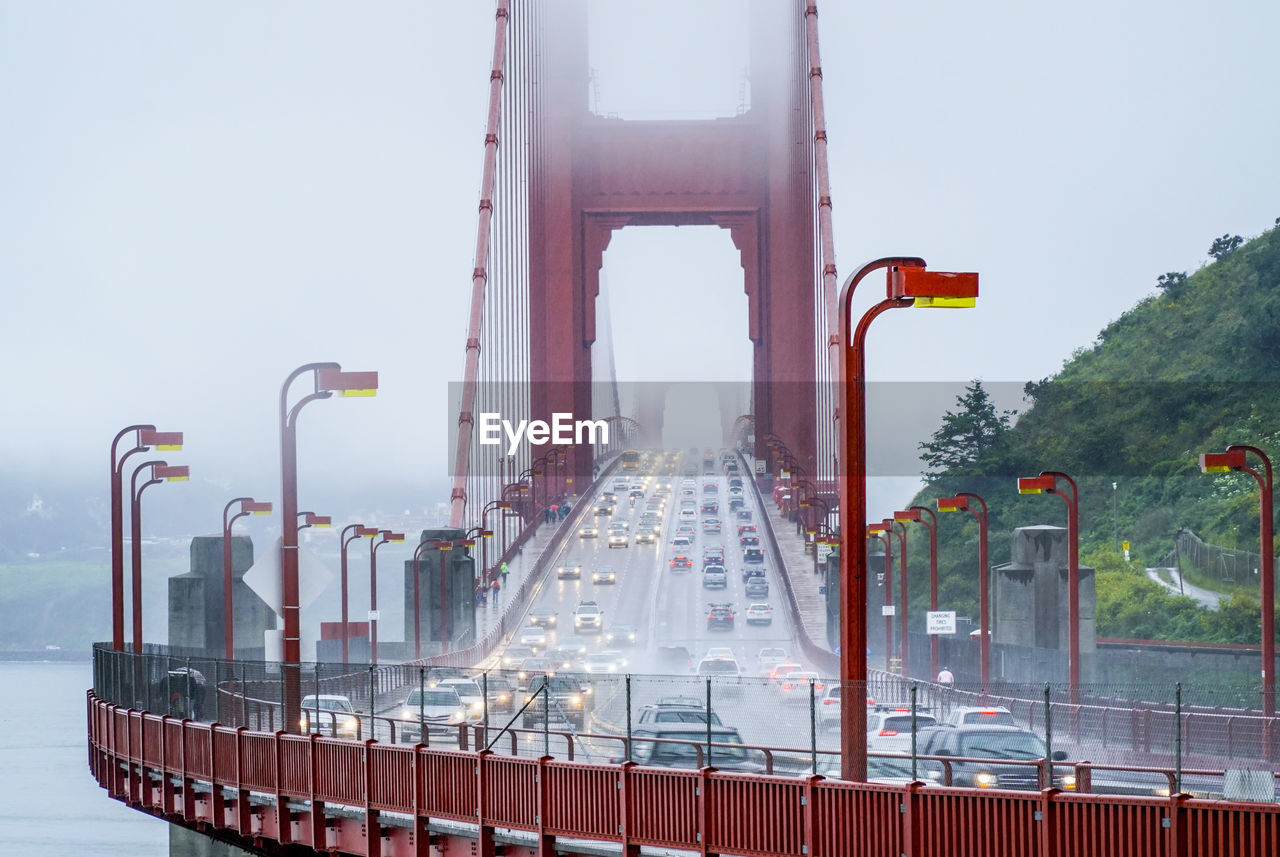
(155, 763)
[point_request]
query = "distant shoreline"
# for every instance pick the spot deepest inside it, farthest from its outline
(49, 655)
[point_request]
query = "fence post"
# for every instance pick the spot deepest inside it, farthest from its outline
(484, 695)
(422, 706)
(813, 730)
(244, 697)
(627, 687)
(1177, 738)
(708, 721)
(546, 716)
(372, 696)
(913, 733)
(1048, 737)
(335, 717)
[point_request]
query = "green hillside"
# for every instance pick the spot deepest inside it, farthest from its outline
(1188, 370)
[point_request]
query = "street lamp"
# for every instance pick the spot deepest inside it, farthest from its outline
(1047, 483)
(956, 504)
(357, 531)
(311, 519)
(1235, 459)
(146, 438)
(385, 536)
(444, 546)
(916, 513)
(328, 379)
(248, 506)
(907, 283)
(160, 472)
(417, 615)
(900, 530)
(877, 531)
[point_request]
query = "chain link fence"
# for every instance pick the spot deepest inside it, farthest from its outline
(1135, 739)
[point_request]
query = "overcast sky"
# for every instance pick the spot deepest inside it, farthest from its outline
(197, 197)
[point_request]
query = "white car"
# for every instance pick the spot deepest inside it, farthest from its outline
(619, 539)
(759, 614)
(470, 694)
(720, 652)
(795, 687)
(601, 662)
(533, 636)
(829, 707)
(588, 617)
(336, 716)
(988, 715)
(769, 657)
(588, 531)
(440, 708)
(604, 574)
(688, 514)
(890, 731)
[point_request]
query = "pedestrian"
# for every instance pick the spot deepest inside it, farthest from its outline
(504, 571)
(495, 586)
(945, 676)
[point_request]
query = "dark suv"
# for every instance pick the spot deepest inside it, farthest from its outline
(680, 745)
(991, 744)
(720, 617)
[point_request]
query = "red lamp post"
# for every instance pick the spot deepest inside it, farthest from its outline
(311, 519)
(385, 536)
(877, 531)
(907, 282)
(357, 531)
(329, 379)
(248, 506)
(1047, 483)
(1235, 459)
(487, 534)
(900, 530)
(916, 513)
(417, 615)
(146, 438)
(955, 504)
(161, 471)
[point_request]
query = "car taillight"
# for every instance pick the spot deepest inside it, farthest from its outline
(884, 733)
(830, 701)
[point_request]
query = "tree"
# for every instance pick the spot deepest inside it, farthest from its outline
(1224, 246)
(1172, 281)
(965, 435)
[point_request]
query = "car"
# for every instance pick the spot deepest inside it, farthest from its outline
(604, 574)
(713, 555)
(749, 540)
(470, 694)
(636, 493)
(543, 616)
(884, 770)
(710, 507)
(688, 515)
(437, 710)
(621, 635)
(743, 529)
(646, 536)
(759, 614)
(756, 587)
(533, 636)
(889, 729)
(563, 659)
(991, 744)
(710, 488)
(588, 617)
(604, 510)
(568, 702)
(720, 617)
(619, 539)
(829, 707)
(674, 658)
(534, 667)
(577, 645)
(748, 573)
(330, 714)
(588, 531)
(680, 561)
(782, 670)
(735, 491)
(736, 503)
(609, 498)
(711, 525)
(687, 531)
(602, 662)
(752, 555)
(570, 570)
(735, 481)
(515, 655)
(676, 710)
(720, 652)
(769, 657)
(715, 577)
(681, 540)
(795, 687)
(720, 668)
(683, 745)
(986, 715)
(744, 514)
(501, 692)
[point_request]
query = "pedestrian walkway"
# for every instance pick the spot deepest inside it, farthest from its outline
(1178, 586)
(489, 614)
(799, 570)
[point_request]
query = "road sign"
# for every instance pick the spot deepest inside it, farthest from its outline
(940, 621)
(759, 466)
(1124, 546)
(373, 615)
(889, 610)
(824, 551)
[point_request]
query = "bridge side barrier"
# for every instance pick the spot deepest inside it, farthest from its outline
(824, 660)
(702, 810)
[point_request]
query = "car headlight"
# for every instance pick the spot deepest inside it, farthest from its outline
(408, 714)
(577, 700)
(984, 780)
(933, 775)
(349, 723)
(302, 724)
(477, 706)
(1069, 782)
(457, 717)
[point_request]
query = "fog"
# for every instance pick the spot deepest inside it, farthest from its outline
(195, 199)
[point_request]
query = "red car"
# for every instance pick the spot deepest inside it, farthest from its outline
(681, 561)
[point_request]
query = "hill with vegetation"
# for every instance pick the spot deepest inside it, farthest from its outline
(1190, 369)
